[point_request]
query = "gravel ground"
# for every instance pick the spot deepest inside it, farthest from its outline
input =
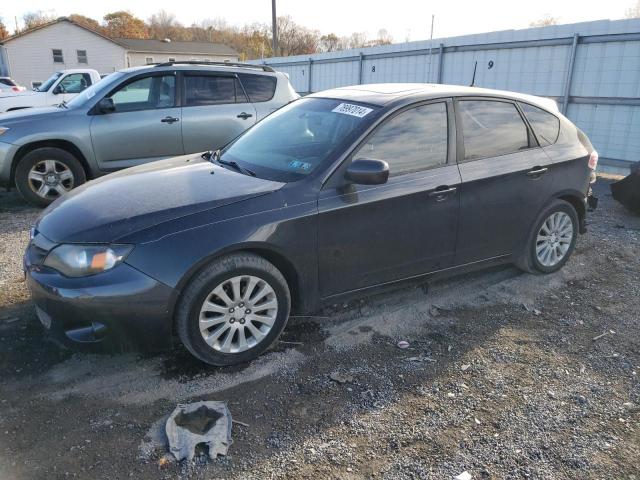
(507, 375)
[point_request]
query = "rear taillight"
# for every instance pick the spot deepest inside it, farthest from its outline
(593, 160)
(15, 89)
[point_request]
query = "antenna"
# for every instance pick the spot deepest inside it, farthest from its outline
(473, 80)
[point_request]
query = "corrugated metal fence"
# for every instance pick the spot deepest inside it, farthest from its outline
(592, 69)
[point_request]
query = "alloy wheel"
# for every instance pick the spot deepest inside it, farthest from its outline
(554, 239)
(238, 314)
(50, 178)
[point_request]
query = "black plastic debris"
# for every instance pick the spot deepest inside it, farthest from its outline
(627, 190)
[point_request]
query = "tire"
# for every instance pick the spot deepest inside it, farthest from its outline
(547, 253)
(63, 168)
(223, 327)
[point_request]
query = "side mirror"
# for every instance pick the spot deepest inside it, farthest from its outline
(368, 172)
(57, 90)
(106, 105)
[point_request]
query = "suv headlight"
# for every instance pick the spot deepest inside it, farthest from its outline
(83, 260)
(3, 130)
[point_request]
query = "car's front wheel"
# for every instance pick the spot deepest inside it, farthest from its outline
(46, 173)
(552, 240)
(233, 310)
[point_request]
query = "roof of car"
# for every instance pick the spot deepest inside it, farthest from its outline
(384, 94)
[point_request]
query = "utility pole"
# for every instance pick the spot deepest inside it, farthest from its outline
(274, 22)
(433, 17)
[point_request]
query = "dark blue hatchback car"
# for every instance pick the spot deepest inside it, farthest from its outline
(340, 193)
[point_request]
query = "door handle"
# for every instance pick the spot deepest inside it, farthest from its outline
(537, 171)
(170, 120)
(442, 191)
(245, 115)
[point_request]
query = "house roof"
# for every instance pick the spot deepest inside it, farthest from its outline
(143, 45)
(161, 46)
(53, 22)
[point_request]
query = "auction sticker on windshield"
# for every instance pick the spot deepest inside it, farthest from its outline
(351, 109)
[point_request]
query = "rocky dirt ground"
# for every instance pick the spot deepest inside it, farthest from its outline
(507, 375)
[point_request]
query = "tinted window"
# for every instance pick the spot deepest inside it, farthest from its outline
(293, 141)
(7, 81)
(211, 90)
(491, 128)
(411, 141)
(545, 126)
(259, 88)
(145, 94)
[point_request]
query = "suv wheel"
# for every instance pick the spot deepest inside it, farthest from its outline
(45, 174)
(552, 240)
(233, 310)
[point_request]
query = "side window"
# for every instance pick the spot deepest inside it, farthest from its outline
(259, 88)
(75, 82)
(491, 128)
(211, 90)
(411, 141)
(146, 93)
(545, 125)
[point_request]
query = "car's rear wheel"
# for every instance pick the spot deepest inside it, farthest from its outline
(45, 174)
(233, 310)
(552, 240)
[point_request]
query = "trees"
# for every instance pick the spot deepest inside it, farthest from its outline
(163, 24)
(37, 18)
(124, 25)
(545, 21)
(633, 12)
(4, 33)
(86, 21)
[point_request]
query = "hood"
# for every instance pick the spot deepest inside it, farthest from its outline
(23, 93)
(26, 115)
(128, 201)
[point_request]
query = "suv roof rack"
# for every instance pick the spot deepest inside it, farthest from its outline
(264, 68)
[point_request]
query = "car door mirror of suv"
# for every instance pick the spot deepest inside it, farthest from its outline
(368, 172)
(57, 90)
(106, 105)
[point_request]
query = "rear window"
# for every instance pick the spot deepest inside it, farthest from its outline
(491, 128)
(259, 88)
(211, 90)
(545, 125)
(7, 81)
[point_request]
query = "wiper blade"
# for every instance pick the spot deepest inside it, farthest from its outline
(235, 165)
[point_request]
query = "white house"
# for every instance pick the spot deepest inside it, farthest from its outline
(32, 56)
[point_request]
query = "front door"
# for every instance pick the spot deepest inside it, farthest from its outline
(506, 179)
(215, 111)
(370, 235)
(144, 127)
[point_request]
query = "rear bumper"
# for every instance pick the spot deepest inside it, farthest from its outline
(121, 306)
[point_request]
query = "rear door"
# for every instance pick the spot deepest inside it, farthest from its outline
(145, 125)
(372, 234)
(506, 178)
(215, 110)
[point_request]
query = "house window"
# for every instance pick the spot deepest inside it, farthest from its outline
(207, 60)
(171, 59)
(82, 56)
(149, 60)
(57, 56)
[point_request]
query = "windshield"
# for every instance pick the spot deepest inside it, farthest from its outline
(98, 87)
(50, 81)
(292, 142)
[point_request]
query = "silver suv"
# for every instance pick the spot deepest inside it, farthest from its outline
(134, 116)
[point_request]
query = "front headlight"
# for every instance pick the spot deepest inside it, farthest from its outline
(82, 260)
(3, 130)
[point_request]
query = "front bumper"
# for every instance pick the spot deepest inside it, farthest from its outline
(7, 152)
(122, 306)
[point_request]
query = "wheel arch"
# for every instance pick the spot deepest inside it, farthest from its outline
(576, 199)
(277, 258)
(55, 143)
